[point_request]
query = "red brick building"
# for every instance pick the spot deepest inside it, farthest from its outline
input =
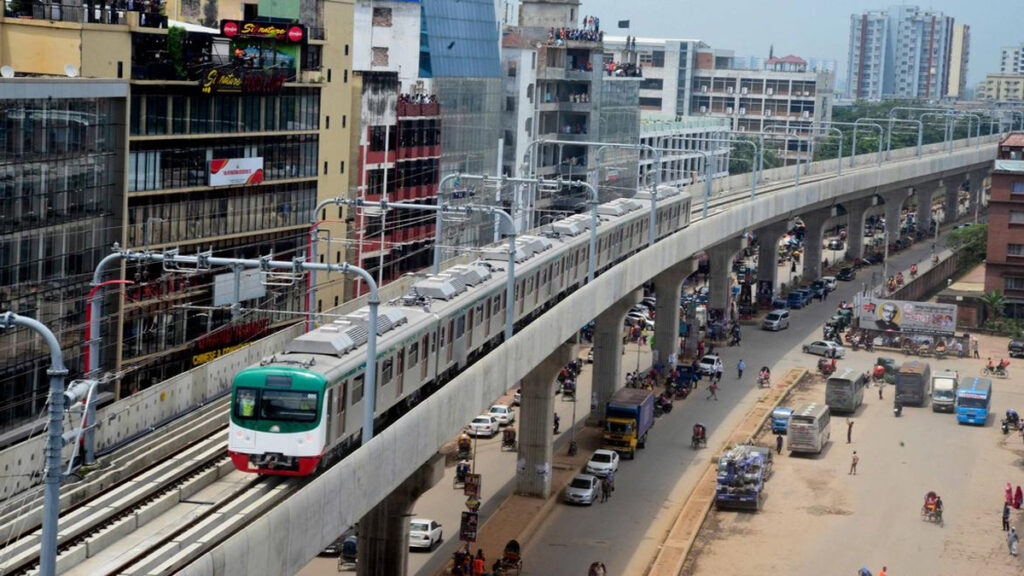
(1004, 269)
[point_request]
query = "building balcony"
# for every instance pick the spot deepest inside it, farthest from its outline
(414, 152)
(418, 110)
(565, 106)
(1011, 166)
(142, 14)
(565, 137)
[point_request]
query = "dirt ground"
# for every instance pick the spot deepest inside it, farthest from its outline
(819, 519)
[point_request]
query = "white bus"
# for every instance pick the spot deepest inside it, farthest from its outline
(809, 428)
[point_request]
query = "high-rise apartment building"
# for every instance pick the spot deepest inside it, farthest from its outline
(236, 128)
(959, 54)
(905, 52)
(1011, 60)
(1002, 88)
(668, 66)
(1004, 261)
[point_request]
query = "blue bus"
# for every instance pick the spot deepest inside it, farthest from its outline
(973, 399)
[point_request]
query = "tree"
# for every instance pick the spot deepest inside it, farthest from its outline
(995, 303)
(742, 157)
(210, 14)
(973, 240)
(176, 49)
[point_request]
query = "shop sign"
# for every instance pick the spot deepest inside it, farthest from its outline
(237, 79)
(236, 171)
(294, 33)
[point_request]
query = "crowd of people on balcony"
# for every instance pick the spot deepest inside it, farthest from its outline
(558, 36)
(625, 69)
(417, 98)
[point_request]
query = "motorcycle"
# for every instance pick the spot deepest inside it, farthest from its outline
(662, 405)
(735, 340)
(997, 371)
(826, 367)
(763, 382)
(897, 408)
(869, 344)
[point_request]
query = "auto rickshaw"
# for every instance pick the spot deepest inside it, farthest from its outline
(888, 370)
(508, 439)
(461, 470)
(511, 559)
(465, 447)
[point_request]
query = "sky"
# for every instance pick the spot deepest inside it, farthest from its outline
(807, 28)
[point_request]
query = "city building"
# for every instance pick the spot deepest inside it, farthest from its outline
(1011, 60)
(786, 97)
(237, 127)
(905, 52)
(959, 55)
(667, 70)
(1002, 88)
(62, 152)
(682, 141)
(1004, 261)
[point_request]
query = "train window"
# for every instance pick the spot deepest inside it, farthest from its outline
(386, 371)
(414, 353)
(460, 326)
(496, 306)
(289, 405)
(433, 343)
(341, 398)
(479, 314)
(444, 332)
(356, 385)
(245, 403)
(529, 285)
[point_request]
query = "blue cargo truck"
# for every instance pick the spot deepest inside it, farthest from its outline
(628, 418)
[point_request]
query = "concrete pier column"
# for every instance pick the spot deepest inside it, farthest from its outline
(952, 200)
(536, 421)
(925, 196)
(856, 211)
(668, 286)
(608, 331)
(814, 232)
(894, 200)
(721, 257)
(768, 252)
(976, 199)
(384, 530)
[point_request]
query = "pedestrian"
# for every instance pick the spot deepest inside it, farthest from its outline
(884, 572)
(778, 444)
(600, 491)
(792, 269)
(479, 563)
(606, 490)
(1018, 498)
(739, 369)
(974, 345)
(825, 295)
(1006, 517)
(849, 430)
(880, 386)
(713, 389)
(1009, 494)
(718, 376)
(853, 463)
(1011, 541)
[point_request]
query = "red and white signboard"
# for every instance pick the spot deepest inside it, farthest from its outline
(235, 171)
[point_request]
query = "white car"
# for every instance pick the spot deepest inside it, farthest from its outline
(424, 534)
(830, 282)
(582, 489)
(503, 414)
(639, 318)
(710, 364)
(603, 462)
(483, 425)
(825, 348)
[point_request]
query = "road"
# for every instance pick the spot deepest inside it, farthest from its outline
(647, 488)
(625, 532)
(836, 520)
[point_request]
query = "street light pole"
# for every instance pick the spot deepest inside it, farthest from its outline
(54, 439)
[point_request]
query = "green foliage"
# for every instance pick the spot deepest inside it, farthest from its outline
(995, 302)
(210, 14)
(176, 49)
(742, 157)
(973, 240)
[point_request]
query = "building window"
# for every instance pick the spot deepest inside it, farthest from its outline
(1015, 249)
(512, 65)
(658, 59)
(380, 56)
(646, 58)
(651, 84)
(652, 102)
(1014, 283)
(1016, 217)
(1017, 187)
(382, 17)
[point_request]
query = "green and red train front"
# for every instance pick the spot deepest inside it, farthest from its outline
(277, 425)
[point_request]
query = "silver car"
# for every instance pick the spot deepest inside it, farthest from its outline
(776, 320)
(825, 348)
(582, 489)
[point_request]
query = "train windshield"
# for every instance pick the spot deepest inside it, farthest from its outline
(277, 405)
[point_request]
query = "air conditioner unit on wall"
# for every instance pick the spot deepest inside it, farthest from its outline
(728, 110)
(806, 114)
(770, 91)
(767, 112)
(704, 88)
(703, 109)
(730, 90)
(744, 90)
(743, 111)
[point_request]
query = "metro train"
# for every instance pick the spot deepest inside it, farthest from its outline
(301, 409)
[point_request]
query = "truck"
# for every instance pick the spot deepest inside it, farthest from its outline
(742, 472)
(628, 417)
(780, 420)
(913, 382)
(944, 385)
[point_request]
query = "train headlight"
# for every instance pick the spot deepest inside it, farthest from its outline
(275, 428)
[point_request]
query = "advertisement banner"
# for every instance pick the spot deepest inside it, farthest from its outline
(467, 529)
(294, 33)
(904, 316)
(235, 171)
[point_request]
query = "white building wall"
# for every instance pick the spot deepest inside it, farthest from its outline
(401, 39)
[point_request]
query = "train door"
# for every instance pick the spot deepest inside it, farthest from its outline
(469, 328)
(339, 420)
(399, 371)
(451, 342)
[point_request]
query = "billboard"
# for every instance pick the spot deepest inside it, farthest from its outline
(235, 171)
(294, 33)
(904, 316)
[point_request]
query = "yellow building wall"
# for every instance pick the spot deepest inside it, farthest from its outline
(102, 48)
(335, 142)
(39, 47)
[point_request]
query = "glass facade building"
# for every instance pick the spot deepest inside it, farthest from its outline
(62, 149)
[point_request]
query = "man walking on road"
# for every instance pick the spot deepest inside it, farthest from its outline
(1011, 541)
(739, 368)
(849, 430)
(778, 444)
(1006, 516)
(713, 389)
(853, 463)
